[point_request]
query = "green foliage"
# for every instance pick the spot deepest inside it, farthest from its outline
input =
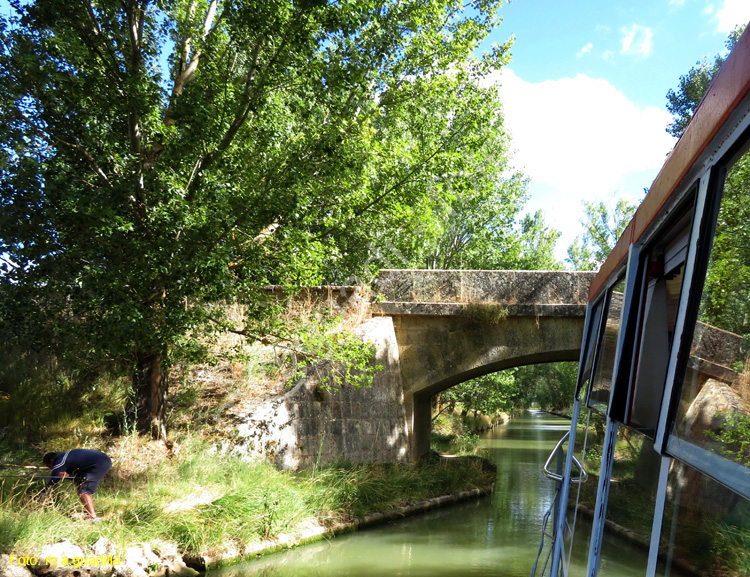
(42, 399)
(457, 444)
(281, 144)
(693, 85)
(733, 436)
(548, 386)
(204, 501)
(489, 394)
(730, 543)
(730, 540)
(337, 359)
(603, 227)
(726, 294)
(552, 384)
(358, 490)
(474, 224)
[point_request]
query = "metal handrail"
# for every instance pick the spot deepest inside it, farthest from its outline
(556, 476)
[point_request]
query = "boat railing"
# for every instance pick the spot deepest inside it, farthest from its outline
(554, 510)
(557, 476)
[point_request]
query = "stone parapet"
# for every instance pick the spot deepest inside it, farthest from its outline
(464, 309)
(484, 286)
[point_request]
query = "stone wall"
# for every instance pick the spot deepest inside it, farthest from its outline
(310, 425)
(484, 286)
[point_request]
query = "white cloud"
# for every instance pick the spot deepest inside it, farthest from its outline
(676, 2)
(732, 14)
(585, 50)
(636, 40)
(581, 139)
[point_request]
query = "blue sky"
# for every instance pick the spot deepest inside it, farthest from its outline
(585, 93)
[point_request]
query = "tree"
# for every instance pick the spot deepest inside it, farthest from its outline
(602, 230)
(693, 85)
(469, 218)
(550, 385)
(725, 294)
(489, 394)
(474, 232)
(160, 156)
(477, 225)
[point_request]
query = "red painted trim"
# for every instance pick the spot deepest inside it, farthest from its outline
(727, 90)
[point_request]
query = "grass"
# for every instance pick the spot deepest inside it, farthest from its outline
(208, 503)
(188, 493)
(458, 434)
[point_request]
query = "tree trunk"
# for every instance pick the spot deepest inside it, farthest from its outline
(149, 405)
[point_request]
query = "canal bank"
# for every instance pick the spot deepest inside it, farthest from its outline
(208, 507)
(497, 536)
(310, 535)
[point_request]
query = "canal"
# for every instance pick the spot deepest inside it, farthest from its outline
(494, 536)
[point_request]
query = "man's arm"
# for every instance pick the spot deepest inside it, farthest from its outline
(60, 476)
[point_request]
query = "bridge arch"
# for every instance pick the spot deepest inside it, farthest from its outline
(459, 325)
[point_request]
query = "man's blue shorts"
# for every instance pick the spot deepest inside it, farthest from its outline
(90, 480)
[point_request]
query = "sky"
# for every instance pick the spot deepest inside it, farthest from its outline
(584, 95)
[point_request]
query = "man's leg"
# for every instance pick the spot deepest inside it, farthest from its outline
(88, 503)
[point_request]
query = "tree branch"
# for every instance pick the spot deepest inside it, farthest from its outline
(185, 75)
(87, 157)
(106, 55)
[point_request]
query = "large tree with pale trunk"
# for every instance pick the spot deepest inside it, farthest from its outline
(159, 156)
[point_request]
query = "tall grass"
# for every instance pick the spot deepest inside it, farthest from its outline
(40, 399)
(207, 502)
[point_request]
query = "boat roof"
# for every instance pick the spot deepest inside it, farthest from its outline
(728, 88)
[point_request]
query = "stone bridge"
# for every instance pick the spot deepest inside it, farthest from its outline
(431, 330)
(452, 326)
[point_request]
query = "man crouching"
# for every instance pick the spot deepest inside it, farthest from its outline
(86, 466)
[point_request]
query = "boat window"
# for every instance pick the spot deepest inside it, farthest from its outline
(632, 497)
(595, 313)
(664, 270)
(714, 409)
(601, 382)
(589, 447)
(705, 528)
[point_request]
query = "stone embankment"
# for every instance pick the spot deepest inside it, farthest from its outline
(309, 535)
(309, 425)
(65, 559)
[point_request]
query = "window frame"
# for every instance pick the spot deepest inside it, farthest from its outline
(618, 276)
(591, 329)
(708, 203)
(673, 225)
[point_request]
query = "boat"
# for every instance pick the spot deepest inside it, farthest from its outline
(658, 452)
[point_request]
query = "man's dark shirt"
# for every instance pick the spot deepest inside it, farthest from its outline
(86, 465)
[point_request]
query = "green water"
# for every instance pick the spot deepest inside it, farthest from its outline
(493, 536)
